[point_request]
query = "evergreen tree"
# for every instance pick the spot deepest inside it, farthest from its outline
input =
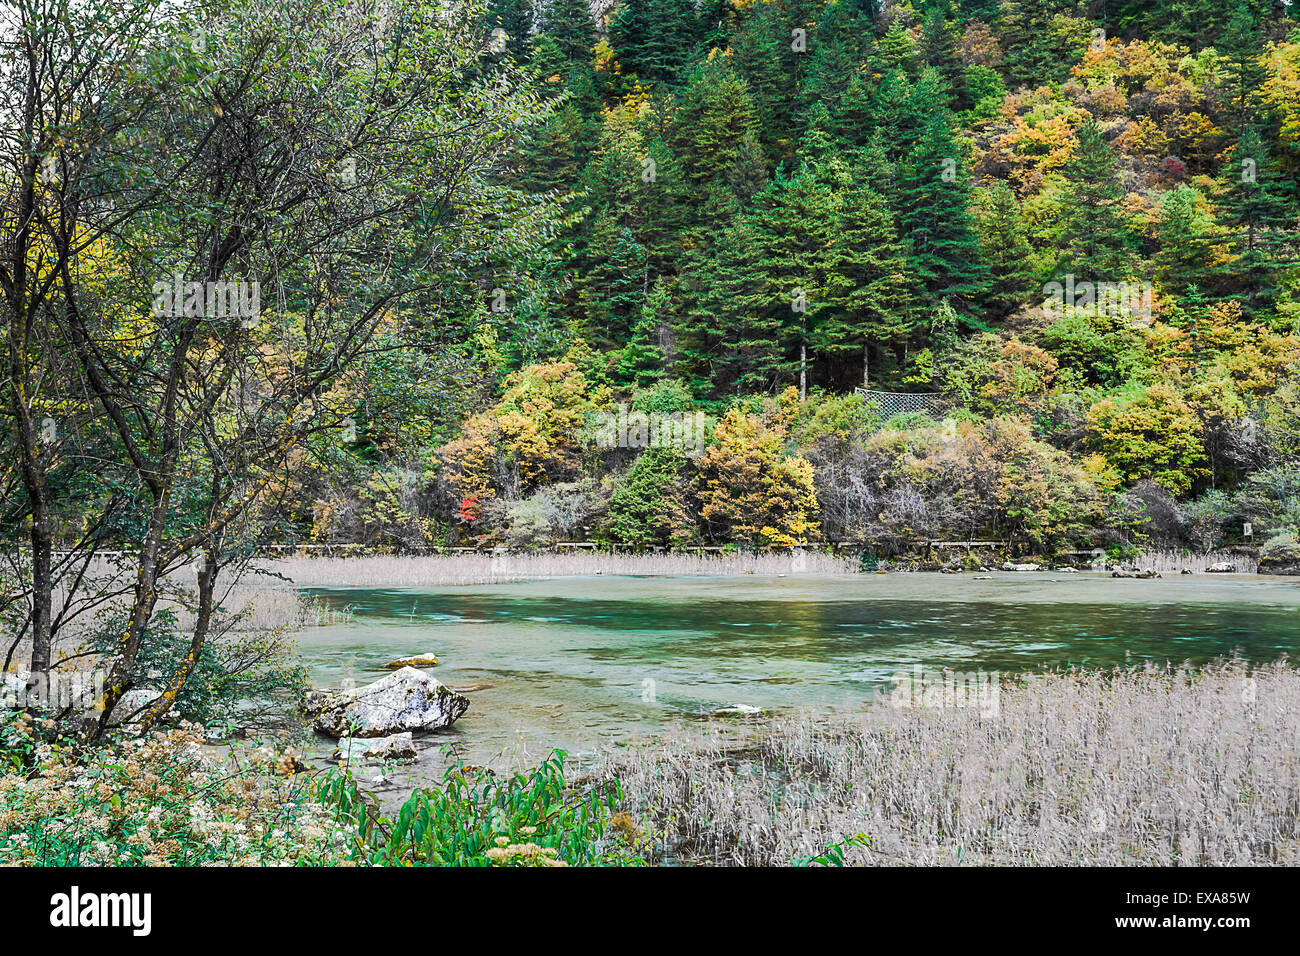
(934, 218)
(515, 17)
(1242, 47)
(715, 132)
(1037, 50)
(939, 47)
(1257, 204)
(1094, 239)
(611, 283)
(1187, 241)
(763, 57)
(654, 39)
(644, 361)
(868, 289)
(569, 24)
(1006, 249)
(791, 228)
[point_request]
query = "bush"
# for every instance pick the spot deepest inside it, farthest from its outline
(752, 494)
(1154, 434)
(650, 505)
(476, 819)
(164, 801)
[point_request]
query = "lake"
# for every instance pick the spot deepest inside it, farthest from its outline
(577, 662)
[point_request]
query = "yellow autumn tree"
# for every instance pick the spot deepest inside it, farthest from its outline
(749, 490)
(527, 438)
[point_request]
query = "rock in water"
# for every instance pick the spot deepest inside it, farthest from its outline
(737, 710)
(1223, 567)
(418, 660)
(396, 747)
(407, 699)
(1010, 566)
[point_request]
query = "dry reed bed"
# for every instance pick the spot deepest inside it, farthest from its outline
(1167, 562)
(464, 569)
(1137, 768)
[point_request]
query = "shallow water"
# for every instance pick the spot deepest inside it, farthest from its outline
(576, 662)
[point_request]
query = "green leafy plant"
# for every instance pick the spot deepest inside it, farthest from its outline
(477, 819)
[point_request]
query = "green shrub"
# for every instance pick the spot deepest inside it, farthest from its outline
(475, 819)
(649, 506)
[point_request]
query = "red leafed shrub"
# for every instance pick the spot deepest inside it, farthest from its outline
(471, 509)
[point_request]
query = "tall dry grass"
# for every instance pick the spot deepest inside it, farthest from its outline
(458, 569)
(1167, 562)
(1148, 767)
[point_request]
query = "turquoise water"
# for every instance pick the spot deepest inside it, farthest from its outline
(576, 662)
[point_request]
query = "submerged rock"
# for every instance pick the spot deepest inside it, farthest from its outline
(407, 699)
(737, 710)
(395, 747)
(417, 660)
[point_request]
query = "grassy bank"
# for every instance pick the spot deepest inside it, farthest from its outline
(1137, 768)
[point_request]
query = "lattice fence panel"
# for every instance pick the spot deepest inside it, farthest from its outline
(900, 403)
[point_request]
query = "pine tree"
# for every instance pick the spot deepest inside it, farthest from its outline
(611, 283)
(1094, 239)
(898, 50)
(791, 229)
(934, 218)
(763, 57)
(715, 132)
(515, 17)
(868, 289)
(939, 48)
(569, 24)
(1006, 249)
(1257, 204)
(1187, 241)
(726, 345)
(644, 360)
(654, 39)
(1036, 50)
(1242, 47)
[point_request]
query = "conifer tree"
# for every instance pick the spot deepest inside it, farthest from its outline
(1094, 239)
(1006, 249)
(644, 361)
(934, 218)
(868, 286)
(569, 24)
(1187, 251)
(1257, 204)
(515, 17)
(654, 39)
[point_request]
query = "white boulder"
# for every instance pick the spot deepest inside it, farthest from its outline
(405, 700)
